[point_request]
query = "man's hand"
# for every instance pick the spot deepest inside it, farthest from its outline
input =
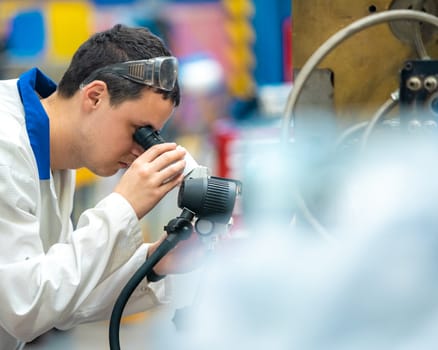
(151, 176)
(185, 257)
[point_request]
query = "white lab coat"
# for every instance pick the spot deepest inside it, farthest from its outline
(52, 276)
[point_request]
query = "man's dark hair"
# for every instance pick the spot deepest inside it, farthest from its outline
(118, 44)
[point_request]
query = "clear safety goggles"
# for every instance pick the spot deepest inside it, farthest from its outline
(158, 72)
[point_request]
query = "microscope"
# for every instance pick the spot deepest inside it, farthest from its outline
(206, 200)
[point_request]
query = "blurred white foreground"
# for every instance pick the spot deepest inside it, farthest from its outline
(373, 287)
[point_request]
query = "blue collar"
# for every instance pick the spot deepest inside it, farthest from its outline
(31, 84)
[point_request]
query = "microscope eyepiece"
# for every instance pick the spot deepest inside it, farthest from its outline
(147, 137)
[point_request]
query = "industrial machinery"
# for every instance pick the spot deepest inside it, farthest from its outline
(359, 91)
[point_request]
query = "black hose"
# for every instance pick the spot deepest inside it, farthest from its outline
(177, 229)
(116, 315)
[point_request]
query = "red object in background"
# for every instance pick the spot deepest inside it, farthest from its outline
(224, 137)
(227, 141)
(287, 49)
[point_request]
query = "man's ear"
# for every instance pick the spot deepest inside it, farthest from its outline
(93, 94)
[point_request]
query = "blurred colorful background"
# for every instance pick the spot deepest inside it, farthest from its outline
(235, 71)
(235, 63)
(249, 39)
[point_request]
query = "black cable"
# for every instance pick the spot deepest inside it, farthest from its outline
(178, 229)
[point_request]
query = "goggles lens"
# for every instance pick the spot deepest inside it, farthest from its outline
(157, 72)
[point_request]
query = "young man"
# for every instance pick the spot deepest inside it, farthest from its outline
(54, 275)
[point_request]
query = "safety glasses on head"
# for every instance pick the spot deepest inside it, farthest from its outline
(158, 72)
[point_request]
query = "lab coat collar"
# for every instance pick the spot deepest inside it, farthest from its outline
(32, 85)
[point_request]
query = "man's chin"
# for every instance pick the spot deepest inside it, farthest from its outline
(106, 172)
